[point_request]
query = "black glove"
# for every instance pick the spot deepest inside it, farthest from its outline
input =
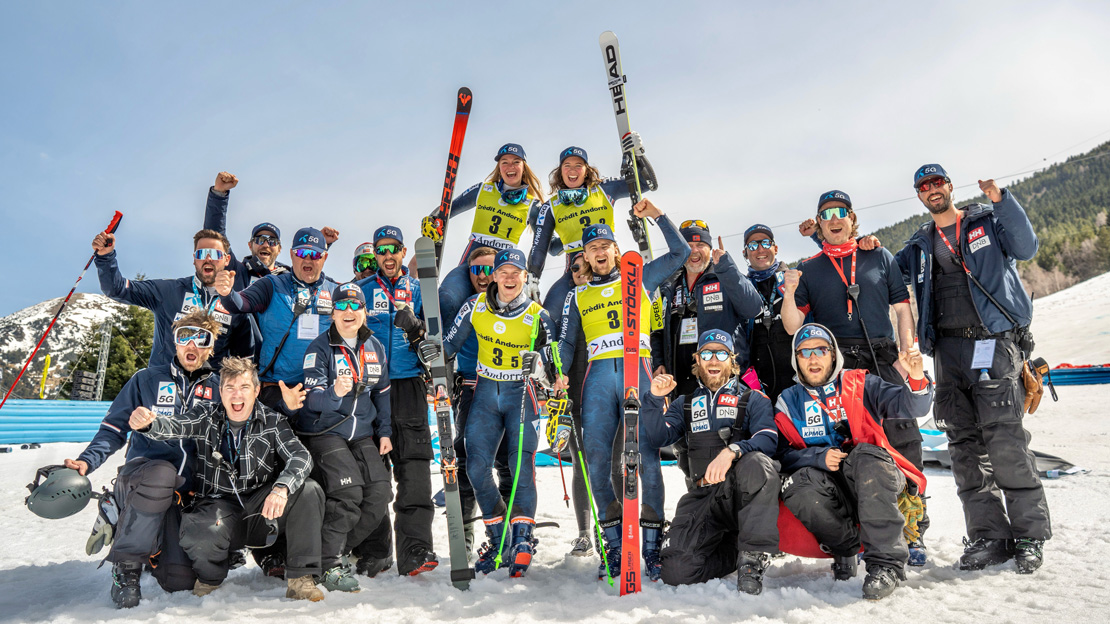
(406, 320)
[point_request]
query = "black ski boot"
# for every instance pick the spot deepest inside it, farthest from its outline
(844, 568)
(881, 582)
(982, 552)
(1028, 554)
(125, 584)
(651, 538)
(372, 566)
(416, 561)
(750, 567)
(487, 552)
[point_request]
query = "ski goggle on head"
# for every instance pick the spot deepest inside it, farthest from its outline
(349, 303)
(481, 269)
(389, 248)
(766, 243)
(200, 337)
(310, 254)
(205, 254)
(812, 351)
(708, 354)
(828, 214)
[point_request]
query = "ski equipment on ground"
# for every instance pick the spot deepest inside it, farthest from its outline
(435, 227)
(632, 269)
(109, 230)
(428, 273)
(611, 55)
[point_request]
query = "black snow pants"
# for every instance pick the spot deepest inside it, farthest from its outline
(858, 506)
(715, 523)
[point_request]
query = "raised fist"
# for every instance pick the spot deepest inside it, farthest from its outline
(646, 209)
(343, 385)
(991, 190)
(790, 280)
(224, 281)
(330, 234)
(662, 385)
(225, 182)
(807, 228)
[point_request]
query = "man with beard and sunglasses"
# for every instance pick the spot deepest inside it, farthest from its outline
(844, 480)
(395, 313)
(170, 299)
(142, 520)
(973, 318)
(851, 290)
(728, 521)
(770, 345)
(291, 309)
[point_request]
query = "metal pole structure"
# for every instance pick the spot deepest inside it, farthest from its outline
(102, 363)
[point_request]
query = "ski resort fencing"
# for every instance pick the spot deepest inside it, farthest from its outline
(26, 420)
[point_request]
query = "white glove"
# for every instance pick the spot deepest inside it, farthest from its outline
(532, 366)
(427, 351)
(637, 144)
(532, 288)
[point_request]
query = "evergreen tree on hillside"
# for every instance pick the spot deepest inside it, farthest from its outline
(132, 338)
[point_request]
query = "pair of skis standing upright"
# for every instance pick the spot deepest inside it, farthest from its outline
(428, 259)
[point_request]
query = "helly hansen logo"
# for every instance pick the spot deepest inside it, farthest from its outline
(371, 356)
(974, 234)
(728, 399)
(345, 481)
(711, 288)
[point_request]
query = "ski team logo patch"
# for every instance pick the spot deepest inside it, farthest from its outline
(815, 425)
(975, 234)
(370, 356)
(499, 327)
(381, 303)
(342, 366)
(309, 360)
(699, 414)
(203, 392)
(402, 296)
(728, 399)
(166, 393)
(607, 292)
(711, 288)
(978, 243)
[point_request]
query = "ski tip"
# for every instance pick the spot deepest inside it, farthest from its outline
(465, 98)
(607, 35)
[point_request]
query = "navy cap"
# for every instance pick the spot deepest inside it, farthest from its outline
(266, 226)
(925, 172)
(510, 148)
(813, 330)
(348, 292)
(758, 228)
(696, 234)
(834, 195)
(597, 231)
(388, 231)
(573, 151)
(714, 335)
(310, 238)
(511, 256)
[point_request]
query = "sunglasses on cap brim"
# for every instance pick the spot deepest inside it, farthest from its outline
(199, 336)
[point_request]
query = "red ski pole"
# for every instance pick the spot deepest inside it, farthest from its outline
(109, 230)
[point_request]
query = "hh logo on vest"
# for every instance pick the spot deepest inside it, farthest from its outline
(977, 239)
(371, 356)
(728, 399)
(203, 392)
(711, 288)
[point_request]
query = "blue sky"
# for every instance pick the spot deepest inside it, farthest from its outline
(339, 113)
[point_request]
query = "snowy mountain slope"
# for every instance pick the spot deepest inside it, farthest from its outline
(1073, 325)
(20, 330)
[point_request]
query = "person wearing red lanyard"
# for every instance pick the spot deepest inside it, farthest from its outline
(346, 408)
(836, 456)
(974, 317)
(823, 286)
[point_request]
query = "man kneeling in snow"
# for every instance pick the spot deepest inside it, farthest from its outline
(844, 479)
(728, 520)
(243, 500)
(157, 476)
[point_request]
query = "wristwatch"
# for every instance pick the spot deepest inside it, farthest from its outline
(735, 448)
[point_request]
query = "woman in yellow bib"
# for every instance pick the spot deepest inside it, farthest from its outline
(595, 309)
(510, 328)
(506, 204)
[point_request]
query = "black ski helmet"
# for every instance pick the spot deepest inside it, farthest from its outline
(58, 492)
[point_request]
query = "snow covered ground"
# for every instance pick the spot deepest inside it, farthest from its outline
(45, 576)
